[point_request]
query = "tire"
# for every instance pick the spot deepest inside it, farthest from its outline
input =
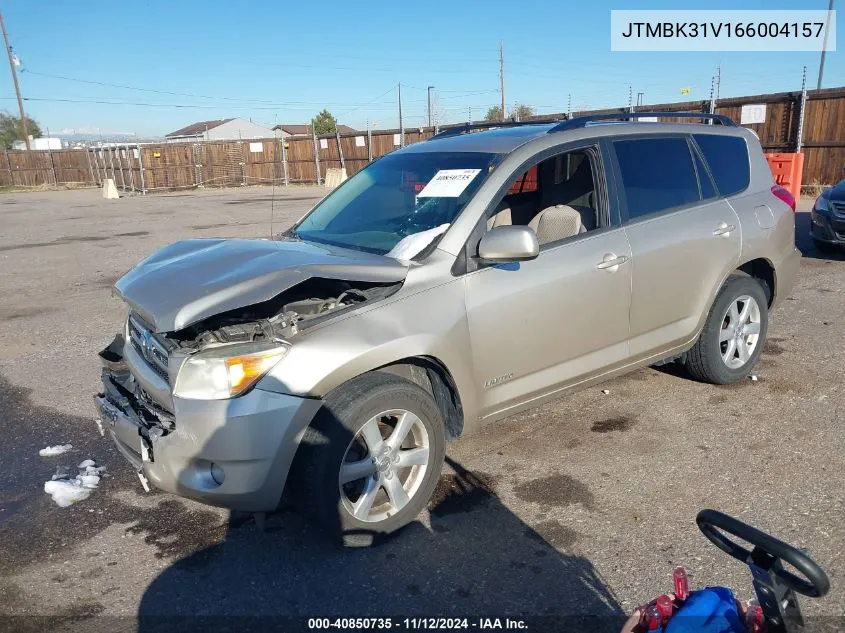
(706, 361)
(337, 436)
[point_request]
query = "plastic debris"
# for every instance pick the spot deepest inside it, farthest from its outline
(605, 391)
(66, 490)
(754, 377)
(51, 451)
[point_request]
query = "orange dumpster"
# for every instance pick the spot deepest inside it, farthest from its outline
(787, 170)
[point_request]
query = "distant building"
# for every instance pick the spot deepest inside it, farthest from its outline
(302, 129)
(39, 143)
(220, 130)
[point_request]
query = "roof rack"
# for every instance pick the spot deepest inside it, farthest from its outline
(468, 127)
(583, 121)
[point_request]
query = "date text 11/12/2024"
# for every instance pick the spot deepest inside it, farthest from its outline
(416, 624)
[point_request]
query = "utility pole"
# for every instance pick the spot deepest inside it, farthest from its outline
(401, 125)
(630, 98)
(430, 88)
(824, 44)
(15, 79)
(569, 106)
(502, 75)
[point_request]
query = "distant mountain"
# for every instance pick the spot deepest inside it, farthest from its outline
(87, 138)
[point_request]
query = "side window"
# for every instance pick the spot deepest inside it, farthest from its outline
(727, 157)
(556, 197)
(657, 174)
(527, 183)
(707, 189)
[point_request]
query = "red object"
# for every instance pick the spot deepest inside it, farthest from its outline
(755, 621)
(525, 183)
(783, 194)
(788, 170)
(679, 575)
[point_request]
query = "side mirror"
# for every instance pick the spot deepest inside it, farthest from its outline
(505, 244)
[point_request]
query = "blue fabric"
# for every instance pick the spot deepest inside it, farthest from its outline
(711, 610)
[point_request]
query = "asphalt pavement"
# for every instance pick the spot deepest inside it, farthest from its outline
(581, 507)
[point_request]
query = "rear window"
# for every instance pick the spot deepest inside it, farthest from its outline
(727, 157)
(657, 174)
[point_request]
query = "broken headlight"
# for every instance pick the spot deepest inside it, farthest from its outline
(226, 371)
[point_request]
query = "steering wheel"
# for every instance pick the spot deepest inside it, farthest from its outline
(711, 522)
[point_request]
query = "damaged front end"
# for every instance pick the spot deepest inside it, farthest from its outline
(173, 402)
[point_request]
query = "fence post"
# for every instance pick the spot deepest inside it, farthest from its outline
(284, 160)
(52, 166)
(141, 171)
(340, 149)
(243, 165)
(131, 168)
(120, 167)
(369, 144)
(90, 168)
(802, 106)
(197, 170)
(111, 163)
(11, 176)
(316, 153)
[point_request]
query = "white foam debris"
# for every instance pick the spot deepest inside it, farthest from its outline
(51, 451)
(67, 491)
(605, 391)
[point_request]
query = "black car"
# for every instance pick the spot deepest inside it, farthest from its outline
(827, 226)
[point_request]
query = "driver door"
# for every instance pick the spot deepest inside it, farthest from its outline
(539, 326)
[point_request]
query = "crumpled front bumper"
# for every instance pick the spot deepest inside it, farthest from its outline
(248, 442)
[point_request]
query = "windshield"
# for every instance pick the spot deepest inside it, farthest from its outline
(397, 196)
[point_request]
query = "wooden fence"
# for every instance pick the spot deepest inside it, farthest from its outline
(171, 166)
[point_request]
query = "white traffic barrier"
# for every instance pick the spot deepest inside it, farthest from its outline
(109, 190)
(334, 177)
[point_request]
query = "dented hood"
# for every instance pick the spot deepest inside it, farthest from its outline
(192, 280)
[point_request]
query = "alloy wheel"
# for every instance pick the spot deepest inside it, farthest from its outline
(384, 465)
(740, 333)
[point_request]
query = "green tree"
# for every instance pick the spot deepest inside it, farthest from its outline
(324, 123)
(494, 113)
(521, 111)
(10, 129)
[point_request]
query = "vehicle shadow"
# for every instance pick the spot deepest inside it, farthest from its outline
(475, 559)
(805, 243)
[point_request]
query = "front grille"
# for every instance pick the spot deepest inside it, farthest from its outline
(838, 209)
(148, 346)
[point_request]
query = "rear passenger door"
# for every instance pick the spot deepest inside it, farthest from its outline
(684, 238)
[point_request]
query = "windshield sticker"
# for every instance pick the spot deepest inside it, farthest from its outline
(448, 183)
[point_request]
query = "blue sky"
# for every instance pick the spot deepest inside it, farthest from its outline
(283, 62)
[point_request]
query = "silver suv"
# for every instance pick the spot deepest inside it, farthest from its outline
(447, 284)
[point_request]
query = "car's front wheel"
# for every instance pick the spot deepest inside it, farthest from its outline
(371, 458)
(733, 335)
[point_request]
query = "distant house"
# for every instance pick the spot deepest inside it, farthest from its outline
(303, 129)
(220, 130)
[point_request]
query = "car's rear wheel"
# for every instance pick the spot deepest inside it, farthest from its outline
(371, 459)
(733, 335)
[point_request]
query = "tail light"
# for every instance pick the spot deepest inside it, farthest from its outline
(783, 194)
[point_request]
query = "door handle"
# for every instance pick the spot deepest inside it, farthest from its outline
(724, 229)
(611, 262)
